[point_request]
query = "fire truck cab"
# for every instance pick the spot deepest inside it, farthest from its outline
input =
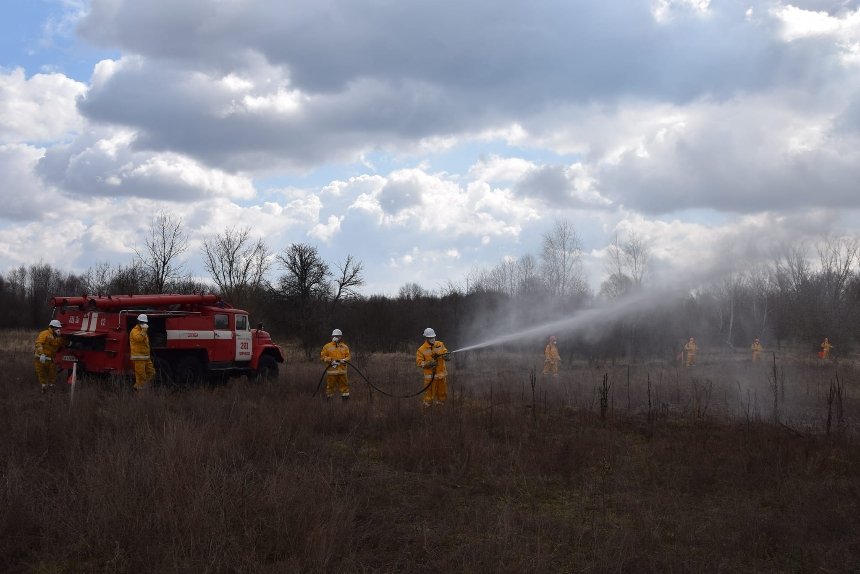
(191, 337)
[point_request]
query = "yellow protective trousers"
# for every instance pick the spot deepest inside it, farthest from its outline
(45, 372)
(144, 371)
(550, 367)
(338, 380)
(438, 389)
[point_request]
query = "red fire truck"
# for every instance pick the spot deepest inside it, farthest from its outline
(191, 337)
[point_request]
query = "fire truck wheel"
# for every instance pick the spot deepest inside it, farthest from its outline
(267, 370)
(188, 371)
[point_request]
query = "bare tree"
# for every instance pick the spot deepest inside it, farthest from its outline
(26, 290)
(42, 281)
(165, 242)
(236, 263)
(637, 254)
(105, 278)
(98, 277)
(528, 277)
(500, 279)
(837, 257)
(728, 294)
(561, 259)
(792, 269)
(794, 300)
(305, 288)
(511, 277)
(411, 292)
(508, 271)
(451, 289)
(616, 285)
(307, 274)
(626, 264)
(759, 282)
(347, 281)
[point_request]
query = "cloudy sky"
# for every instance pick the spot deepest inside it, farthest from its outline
(426, 138)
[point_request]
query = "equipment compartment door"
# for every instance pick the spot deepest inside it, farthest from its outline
(223, 348)
(243, 339)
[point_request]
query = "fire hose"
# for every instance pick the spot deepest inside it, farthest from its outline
(371, 385)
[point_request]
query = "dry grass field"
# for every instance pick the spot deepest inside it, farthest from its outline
(653, 468)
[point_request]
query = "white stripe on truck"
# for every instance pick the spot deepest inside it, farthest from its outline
(189, 335)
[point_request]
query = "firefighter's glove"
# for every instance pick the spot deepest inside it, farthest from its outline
(335, 363)
(43, 358)
(431, 364)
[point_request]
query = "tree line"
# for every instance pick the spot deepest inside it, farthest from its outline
(801, 296)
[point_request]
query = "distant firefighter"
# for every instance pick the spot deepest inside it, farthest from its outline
(335, 353)
(48, 342)
(431, 358)
(138, 341)
(756, 349)
(825, 349)
(690, 348)
(551, 358)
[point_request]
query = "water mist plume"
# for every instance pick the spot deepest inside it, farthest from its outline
(585, 320)
(727, 257)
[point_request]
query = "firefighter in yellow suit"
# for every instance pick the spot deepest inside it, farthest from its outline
(138, 340)
(431, 358)
(691, 349)
(825, 348)
(756, 350)
(335, 353)
(48, 342)
(551, 358)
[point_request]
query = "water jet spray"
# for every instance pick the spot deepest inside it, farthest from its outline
(582, 319)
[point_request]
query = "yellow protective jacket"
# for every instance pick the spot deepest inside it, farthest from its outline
(435, 352)
(332, 351)
(756, 347)
(48, 344)
(691, 348)
(138, 341)
(551, 353)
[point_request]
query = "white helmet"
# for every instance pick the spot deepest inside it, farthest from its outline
(336, 333)
(142, 318)
(55, 324)
(429, 333)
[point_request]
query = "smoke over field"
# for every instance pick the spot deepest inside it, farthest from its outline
(651, 467)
